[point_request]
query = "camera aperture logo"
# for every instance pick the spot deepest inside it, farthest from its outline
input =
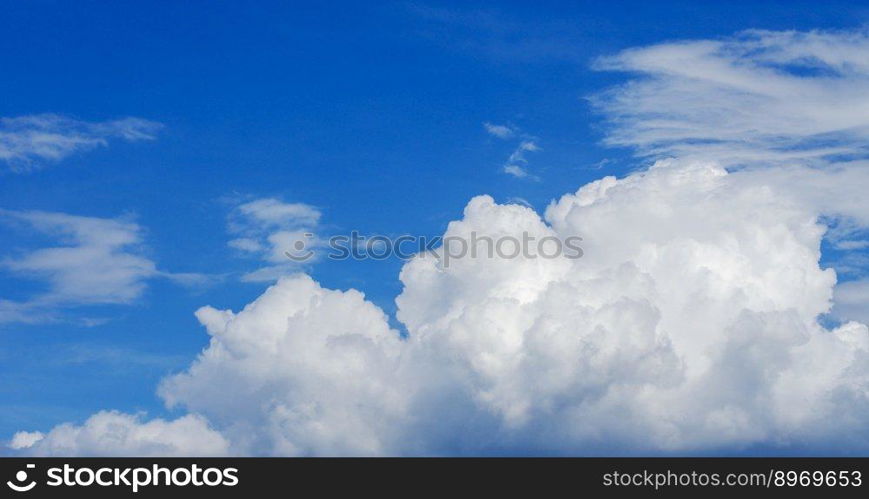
(133, 478)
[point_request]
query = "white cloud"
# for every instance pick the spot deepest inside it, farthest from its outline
(246, 244)
(269, 229)
(515, 170)
(111, 433)
(269, 213)
(97, 261)
(322, 362)
(499, 131)
(852, 301)
(25, 439)
(852, 245)
(26, 141)
(517, 161)
(756, 99)
(689, 323)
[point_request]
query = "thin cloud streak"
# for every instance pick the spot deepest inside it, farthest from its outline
(29, 142)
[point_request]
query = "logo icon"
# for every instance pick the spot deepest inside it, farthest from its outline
(300, 253)
(21, 477)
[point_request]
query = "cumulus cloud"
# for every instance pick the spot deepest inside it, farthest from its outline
(110, 433)
(310, 372)
(97, 261)
(322, 362)
(691, 323)
(27, 142)
(268, 229)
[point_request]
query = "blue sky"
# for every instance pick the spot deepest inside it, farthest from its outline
(372, 113)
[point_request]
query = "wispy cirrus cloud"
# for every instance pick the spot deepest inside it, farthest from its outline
(500, 131)
(759, 97)
(96, 261)
(27, 142)
(517, 163)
